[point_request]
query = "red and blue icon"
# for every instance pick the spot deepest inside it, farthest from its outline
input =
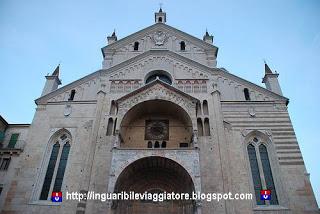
(56, 197)
(265, 195)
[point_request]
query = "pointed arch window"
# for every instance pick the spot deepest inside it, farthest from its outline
(261, 171)
(56, 166)
(49, 174)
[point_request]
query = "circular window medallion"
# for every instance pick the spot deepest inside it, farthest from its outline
(157, 130)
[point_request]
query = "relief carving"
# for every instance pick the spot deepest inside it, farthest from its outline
(159, 38)
(252, 111)
(67, 110)
(88, 125)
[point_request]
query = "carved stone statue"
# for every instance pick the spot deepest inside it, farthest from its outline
(195, 139)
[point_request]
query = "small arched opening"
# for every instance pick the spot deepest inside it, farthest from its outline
(182, 46)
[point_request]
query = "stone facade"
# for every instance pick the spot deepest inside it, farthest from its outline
(208, 119)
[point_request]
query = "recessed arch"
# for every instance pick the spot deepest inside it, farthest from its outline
(205, 107)
(154, 173)
(198, 109)
(113, 108)
(175, 123)
(206, 127)
(109, 126)
(200, 127)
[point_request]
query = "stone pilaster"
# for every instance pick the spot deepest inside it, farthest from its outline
(85, 184)
(221, 140)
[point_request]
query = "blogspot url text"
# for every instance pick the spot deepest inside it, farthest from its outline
(157, 197)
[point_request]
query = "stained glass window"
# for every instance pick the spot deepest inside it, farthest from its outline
(268, 173)
(62, 167)
(255, 173)
(50, 170)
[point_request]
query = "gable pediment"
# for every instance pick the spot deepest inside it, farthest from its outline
(152, 32)
(159, 37)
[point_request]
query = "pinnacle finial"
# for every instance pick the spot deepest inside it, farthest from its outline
(114, 33)
(207, 34)
(56, 71)
(267, 70)
(160, 10)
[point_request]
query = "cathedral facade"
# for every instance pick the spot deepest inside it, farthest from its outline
(158, 117)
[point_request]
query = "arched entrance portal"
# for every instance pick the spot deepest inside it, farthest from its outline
(154, 174)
